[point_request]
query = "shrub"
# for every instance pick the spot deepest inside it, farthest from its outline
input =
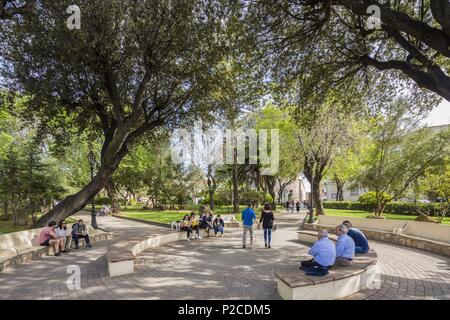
(370, 198)
(103, 201)
(403, 208)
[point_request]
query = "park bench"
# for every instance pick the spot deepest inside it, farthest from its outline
(294, 284)
(428, 236)
(22, 246)
(340, 282)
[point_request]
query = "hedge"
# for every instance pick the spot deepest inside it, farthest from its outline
(404, 208)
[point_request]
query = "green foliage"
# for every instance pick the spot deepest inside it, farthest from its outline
(399, 152)
(403, 208)
(259, 197)
(370, 198)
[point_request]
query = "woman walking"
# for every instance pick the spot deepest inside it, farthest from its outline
(267, 219)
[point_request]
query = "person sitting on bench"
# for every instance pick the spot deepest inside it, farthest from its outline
(63, 233)
(361, 243)
(207, 222)
(345, 247)
(186, 226)
(195, 225)
(324, 255)
(79, 231)
(48, 238)
(218, 225)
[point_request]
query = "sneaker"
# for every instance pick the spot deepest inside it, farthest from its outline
(198, 237)
(243, 247)
(89, 246)
(265, 244)
(187, 239)
(221, 235)
(58, 254)
(217, 235)
(269, 246)
(64, 251)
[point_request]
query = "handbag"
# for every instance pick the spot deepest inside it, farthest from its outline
(274, 228)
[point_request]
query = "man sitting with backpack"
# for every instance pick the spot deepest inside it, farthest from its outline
(79, 230)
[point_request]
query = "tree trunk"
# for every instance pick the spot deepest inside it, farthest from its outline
(317, 184)
(5, 211)
(211, 187)
(112, 194)
(315, 179)
(78, 201)
(339, 189)
(235, 184)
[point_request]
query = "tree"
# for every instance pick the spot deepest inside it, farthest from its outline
(331, 44)
(290, 165)
(238, 83)
(131, 68)
(346, 164)
(435, 183)
(320, 133)
(398, 154)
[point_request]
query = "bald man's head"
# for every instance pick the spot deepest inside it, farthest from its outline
(322, 234)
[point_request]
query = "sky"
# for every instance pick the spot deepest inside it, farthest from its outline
(439, 115)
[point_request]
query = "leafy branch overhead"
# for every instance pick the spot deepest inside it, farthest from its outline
(327, 42)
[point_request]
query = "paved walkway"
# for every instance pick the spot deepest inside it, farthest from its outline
(215, 268)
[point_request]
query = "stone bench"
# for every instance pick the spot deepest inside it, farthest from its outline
(20, 247)
(428, 236)
(340, 282)
(121, 255)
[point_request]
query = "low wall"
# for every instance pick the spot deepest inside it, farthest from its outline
(22, 246)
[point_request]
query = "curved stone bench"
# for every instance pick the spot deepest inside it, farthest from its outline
(121, 255)
(19, 247)
(340, 282)
(432, 237)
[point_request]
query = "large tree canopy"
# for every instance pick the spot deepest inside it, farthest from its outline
(132, 67)
(326, 43)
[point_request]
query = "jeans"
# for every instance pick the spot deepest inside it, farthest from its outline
(76, 237)
(312, 268)
(218, 229)
(268, 235)
(359, 249)
(244, 237)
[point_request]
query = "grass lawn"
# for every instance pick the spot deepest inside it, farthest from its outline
(168, 216)
(363, 214)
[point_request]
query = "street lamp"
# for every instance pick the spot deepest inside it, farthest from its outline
(91, 159)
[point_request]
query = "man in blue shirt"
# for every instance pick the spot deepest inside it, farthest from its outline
(248, 219)
(345, 247)
(361, 243)
(324, 255)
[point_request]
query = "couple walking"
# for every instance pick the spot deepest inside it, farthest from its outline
(249, 218)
